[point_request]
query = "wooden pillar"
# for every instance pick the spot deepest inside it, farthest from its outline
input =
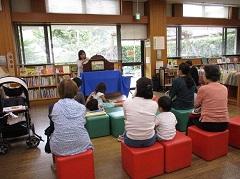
(7, 42)
(156, 27)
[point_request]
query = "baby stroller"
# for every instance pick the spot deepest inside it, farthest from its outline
(14, 102)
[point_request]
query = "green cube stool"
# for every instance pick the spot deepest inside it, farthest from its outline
(114, 109)
(117, 123)
(98, 126)
(182, 118)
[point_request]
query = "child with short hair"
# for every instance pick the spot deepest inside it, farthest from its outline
(166, 120)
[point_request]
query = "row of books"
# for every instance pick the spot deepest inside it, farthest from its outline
(42, 93)
(231, 67)
(204, 61)
(47, 70)
(35, 81)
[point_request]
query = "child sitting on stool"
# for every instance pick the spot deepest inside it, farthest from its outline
(166, 120)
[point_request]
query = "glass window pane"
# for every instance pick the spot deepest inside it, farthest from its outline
(201, 41)
(171, 41)
(69, 39)
(134, 71)
(190, 10)
(34, 44)
(131, 51)
(231, 41)
(103, 7)
(216, 12)
(64, 6)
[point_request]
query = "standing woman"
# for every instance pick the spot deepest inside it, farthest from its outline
(81, 60)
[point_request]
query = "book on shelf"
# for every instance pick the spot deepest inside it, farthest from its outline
(73, 68)
(66, 69)
(49, 69)
(59, 69)
(40, 70)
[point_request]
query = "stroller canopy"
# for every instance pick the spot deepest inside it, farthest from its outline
(14, 91)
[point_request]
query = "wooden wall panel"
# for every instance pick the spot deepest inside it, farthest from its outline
(38, 6)
(127, 8)
(7, 42)
(75, 18)
(233, 13)
(177, 10)
(198, 21)
(157, 27)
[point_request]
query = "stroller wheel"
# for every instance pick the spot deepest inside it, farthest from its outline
(33, 141)
(3, 148)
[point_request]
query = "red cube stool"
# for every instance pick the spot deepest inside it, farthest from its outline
(143, 162)
(75, 166)
(178, 152)
(234, 131)
(208, 145)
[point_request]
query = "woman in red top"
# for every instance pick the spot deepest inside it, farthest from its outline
(213, 100)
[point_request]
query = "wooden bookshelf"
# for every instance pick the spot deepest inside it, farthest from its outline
(42, 80)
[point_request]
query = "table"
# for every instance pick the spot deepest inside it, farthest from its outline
(114, 81)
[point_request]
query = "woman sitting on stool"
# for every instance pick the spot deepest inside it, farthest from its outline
(213, 100)
(69, 136)
(183, 88)
(140, 115)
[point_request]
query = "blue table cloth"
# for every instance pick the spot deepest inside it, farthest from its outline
(114, 81)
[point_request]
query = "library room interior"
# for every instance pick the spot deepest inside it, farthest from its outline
(119, 89)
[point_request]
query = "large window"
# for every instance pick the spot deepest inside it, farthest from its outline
(231, 39)
(60, 43)
(33, 45)
(201, 41)
(132, 59)
(172, 41)
(84, 6)
(191, 10)
(69, 39)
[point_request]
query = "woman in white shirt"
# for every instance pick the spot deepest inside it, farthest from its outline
(140, 114)
(81, 60)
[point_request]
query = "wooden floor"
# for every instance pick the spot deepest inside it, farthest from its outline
(23, 163)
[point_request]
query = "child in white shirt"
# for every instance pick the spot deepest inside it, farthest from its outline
(166, 120)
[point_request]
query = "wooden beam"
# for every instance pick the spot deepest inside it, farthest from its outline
(38, 6)
(19, 17)
(198, 21)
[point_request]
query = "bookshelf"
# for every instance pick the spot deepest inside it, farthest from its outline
(42, 80)
(229, 66)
